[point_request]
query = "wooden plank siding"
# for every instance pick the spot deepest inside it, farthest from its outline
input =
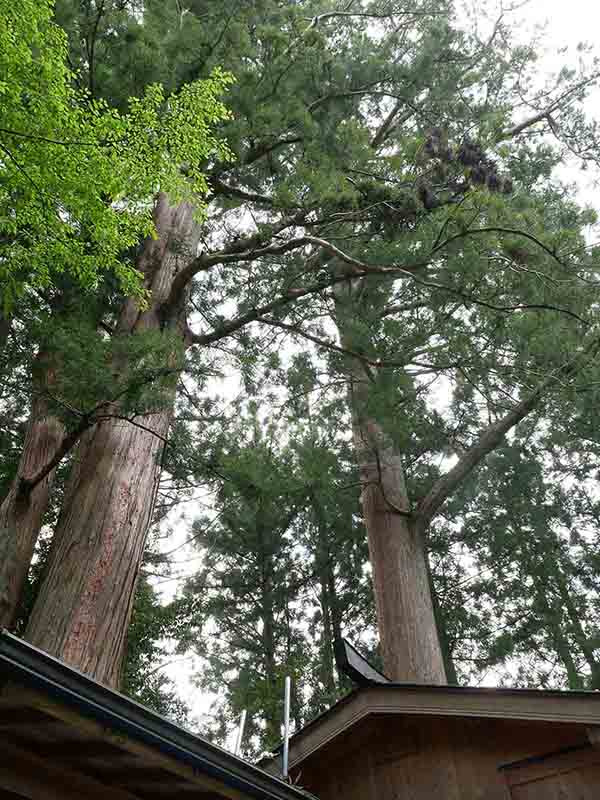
(570, 775)
(386, 757)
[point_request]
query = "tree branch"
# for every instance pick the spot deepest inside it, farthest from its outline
(391, 122)
(545, 114)
(490, 439)
(220, 188)
(244, 249)
(27, 485)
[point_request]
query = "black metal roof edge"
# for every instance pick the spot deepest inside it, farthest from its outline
(30, 666)
(507, 690)
(345, 666)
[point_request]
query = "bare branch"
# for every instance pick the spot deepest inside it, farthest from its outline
(556, 105)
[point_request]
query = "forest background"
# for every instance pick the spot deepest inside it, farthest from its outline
(412, 297)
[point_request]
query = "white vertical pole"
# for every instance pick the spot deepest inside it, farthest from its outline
(286, 725)
(240, 733)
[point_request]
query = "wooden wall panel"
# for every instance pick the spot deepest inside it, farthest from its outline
(572, 775)
(413, 758)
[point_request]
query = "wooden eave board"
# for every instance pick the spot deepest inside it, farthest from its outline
(559, 707)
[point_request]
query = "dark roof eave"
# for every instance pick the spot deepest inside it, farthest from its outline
(442, 689)
(34, 668)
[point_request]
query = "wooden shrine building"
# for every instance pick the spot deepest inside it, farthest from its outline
(388, 741)
(65, 737)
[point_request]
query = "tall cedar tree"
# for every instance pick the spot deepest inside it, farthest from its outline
(387, 186)
(281, 575)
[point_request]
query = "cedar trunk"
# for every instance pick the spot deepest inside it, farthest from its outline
(410, 644)
(21, 514)
(83, 609)
(407, 629)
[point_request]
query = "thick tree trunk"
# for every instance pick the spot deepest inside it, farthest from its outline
(407, 629)
(21, 513)
(440, 621)
(83, 609)
(587, 648)
(408, 634)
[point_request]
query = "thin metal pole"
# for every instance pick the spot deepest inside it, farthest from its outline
(240, 733)
(286, 725)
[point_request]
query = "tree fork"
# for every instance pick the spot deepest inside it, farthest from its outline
(83, 609)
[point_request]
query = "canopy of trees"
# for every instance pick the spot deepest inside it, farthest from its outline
(301, 280)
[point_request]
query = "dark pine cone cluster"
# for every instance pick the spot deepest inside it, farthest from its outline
(479, 169)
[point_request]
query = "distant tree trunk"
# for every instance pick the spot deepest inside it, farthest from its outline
(22, 513)
(323, 571)
(440, 621)
(327, 654)
(332, 633)
(5, 326)
(83, 609)
(579, 634)
(267, 613)
(408, 634)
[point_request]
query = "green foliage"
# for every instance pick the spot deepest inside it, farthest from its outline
(153, 624)
(282, 562)
(77, 176)
(137, 374)
(480, 293)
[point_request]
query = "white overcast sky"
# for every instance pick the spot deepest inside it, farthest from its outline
(568, 22)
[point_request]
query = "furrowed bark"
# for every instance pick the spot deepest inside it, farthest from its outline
(408, 634)
(83, 609)
(407, 628)
(21, 514)
(21, 517)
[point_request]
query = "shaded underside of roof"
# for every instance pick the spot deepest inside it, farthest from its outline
(57, 722)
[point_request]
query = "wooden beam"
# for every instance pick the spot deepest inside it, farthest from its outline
(75, 752)
(186, 790)
(38, 779)
(554, 764)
